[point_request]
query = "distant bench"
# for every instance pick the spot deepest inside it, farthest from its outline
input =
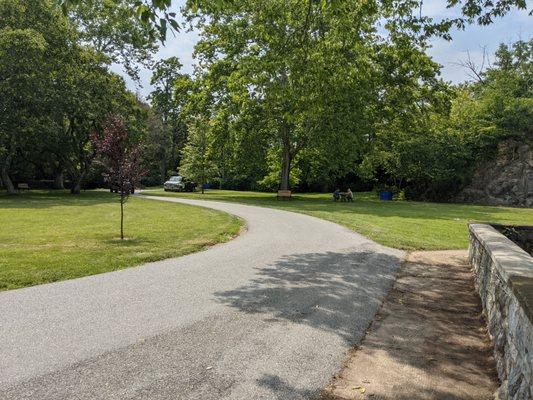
(23, 186)
(284, 194)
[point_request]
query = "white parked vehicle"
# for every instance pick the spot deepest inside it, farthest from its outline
(174, 184)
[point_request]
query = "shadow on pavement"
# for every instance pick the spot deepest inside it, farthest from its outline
(336, 292)
(282, 389)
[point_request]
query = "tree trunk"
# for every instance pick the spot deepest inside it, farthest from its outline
(285, 168)
(76, 189)
(173, 156)
(163, 170)
(58, 180)
(4, 171)
(121, 217)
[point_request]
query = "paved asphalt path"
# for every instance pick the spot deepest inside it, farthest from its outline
(268, 315)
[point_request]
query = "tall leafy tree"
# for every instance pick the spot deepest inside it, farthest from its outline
(433, 140)
(501, 105)
(55, 92)
(92, 93)
(170, 94)
(155, 152)
(21, 51)
(275, 55)
(112, 28)
(318, 71)
(36, 45)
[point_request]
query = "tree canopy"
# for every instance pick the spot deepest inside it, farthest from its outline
(155, 14)
(319, 76)
(112, 28)
(55, 91)
(436, 156)
(285, 93)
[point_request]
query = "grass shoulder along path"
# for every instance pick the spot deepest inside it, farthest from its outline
(407, 225)
(47, 236)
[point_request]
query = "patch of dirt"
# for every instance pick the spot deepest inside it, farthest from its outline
(427, 342)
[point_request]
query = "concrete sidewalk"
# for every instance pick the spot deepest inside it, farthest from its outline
(427, 342)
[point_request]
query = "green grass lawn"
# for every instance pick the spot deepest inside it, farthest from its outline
(48, 236)
(405, 225)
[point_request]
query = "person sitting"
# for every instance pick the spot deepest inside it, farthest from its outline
(349, 195)
(336, 195)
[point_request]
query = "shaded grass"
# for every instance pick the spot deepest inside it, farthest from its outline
(405, 225)
(47, 236)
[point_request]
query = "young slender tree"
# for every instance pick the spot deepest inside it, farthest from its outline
(121, 158)
(196, 163)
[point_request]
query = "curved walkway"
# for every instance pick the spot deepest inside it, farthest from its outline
(269, 315)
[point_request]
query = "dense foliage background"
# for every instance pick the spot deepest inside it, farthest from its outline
(309, 95)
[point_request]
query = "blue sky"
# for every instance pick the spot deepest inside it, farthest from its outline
(512, 27)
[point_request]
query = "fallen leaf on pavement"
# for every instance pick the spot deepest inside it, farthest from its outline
(360, 388)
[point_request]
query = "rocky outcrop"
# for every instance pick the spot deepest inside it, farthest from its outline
(507, 180)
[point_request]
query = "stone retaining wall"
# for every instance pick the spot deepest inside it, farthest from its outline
(504, 280)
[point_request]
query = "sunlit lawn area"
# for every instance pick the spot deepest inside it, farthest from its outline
(400, 224)
(47, 236)
(51, 236)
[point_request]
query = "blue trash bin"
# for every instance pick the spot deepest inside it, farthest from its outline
(385, 195)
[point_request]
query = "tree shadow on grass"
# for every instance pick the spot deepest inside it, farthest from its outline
(40, 199)
(408, 210)
(364, 206)
(335, 292)
(128, 241)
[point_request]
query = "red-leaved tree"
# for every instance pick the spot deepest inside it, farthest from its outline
(120, 155)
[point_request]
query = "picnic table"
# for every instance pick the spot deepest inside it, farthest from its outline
(343, 196)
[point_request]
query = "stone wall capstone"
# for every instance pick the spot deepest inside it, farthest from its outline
(504, 280)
